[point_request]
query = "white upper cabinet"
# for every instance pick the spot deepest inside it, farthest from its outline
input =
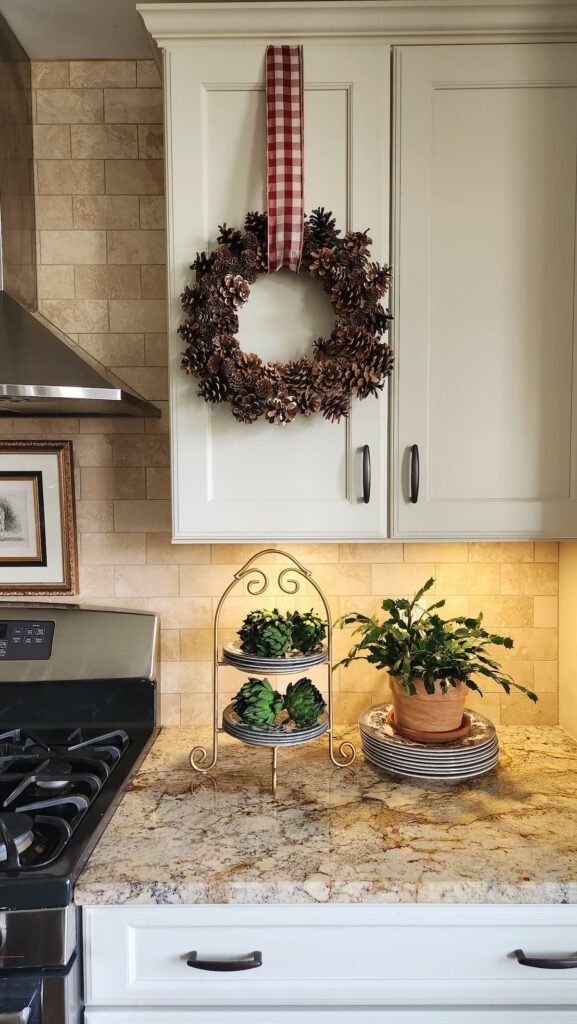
(235, 481)
(484, 226)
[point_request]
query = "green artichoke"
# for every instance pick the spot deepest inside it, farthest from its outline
(266, 633)
(257, 703)
(309, 631)
(303, 702)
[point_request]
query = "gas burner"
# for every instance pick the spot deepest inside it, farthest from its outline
(56, 780)
(16, 829)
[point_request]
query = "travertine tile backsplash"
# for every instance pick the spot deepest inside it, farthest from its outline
(100, 225)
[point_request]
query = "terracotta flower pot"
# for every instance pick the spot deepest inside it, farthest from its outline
(428, 712)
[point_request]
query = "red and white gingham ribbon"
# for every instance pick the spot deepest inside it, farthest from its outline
(284, 147)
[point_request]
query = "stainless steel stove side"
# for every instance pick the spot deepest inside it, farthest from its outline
(89, 643)
(38, 938)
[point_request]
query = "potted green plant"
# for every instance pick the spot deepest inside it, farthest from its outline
(432, 662)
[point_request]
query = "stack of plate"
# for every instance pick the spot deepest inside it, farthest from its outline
(473, 755)
(293, 662)
(287, 734)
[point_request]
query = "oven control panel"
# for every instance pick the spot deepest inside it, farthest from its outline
(26, 640)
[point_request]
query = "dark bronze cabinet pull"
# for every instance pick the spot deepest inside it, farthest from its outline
(244, 964)
(415, 474)
(366, 474)
(549, 963)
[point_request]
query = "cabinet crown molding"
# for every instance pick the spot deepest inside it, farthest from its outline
(397, 20)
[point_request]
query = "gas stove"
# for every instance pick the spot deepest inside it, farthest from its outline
(78, 706)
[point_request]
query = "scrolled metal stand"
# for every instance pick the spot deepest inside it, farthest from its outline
(200, 759)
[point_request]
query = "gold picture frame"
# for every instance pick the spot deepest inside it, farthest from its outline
(38, 540)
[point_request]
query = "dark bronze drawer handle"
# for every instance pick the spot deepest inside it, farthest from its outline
(366, 474)
(415, 474)
(547, 962)
(244, 964)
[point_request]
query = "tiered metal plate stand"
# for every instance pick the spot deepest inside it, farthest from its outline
(257, 583)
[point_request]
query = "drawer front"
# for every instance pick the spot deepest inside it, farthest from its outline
(329, 955)
(353, 1015)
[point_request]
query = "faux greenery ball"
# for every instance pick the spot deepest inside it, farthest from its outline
(271, 634)
(257, 703)
(309, 631)
(303, 702)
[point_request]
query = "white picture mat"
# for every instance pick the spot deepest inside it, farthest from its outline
(21, 495)
(46, 463)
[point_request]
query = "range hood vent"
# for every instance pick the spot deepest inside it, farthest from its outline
(42, 374)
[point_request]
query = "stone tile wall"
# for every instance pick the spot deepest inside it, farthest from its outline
(100, 209)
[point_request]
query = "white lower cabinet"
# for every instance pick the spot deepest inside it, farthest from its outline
(329, 964)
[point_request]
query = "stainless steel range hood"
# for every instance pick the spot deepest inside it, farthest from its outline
(41, 374)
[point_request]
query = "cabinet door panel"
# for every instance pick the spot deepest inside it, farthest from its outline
(485, 219)
(232, 480)
(351, 1015)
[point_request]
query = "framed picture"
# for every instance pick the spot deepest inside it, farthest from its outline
(38, 547)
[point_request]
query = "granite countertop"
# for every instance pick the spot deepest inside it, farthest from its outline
(348, 836)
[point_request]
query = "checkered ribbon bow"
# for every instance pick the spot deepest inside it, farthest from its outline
(284, 146)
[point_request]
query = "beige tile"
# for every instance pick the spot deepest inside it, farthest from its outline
(147, 74)
(488, 705)
(539, 579)
(169, 645)
(50, 74)
(546, 612)
(201, 580)
(109, 424)
(546, 676)
(69, 106)
(150, 381)
(146, 516)
(196, 710)
(105, 212)
(436, 552)
(112, 549)
(155, 349)
(141, 451)
(70, 177)
(133, 106)
(391, 580)
(370, 552)
(502, 612)
(102, 73)
(153, 282)
(150, 141)
(152, 212)
(454, 604)
(157, 483)
(342, 579)
(96, 581)
(137, 315)
(90, 315)
(530, 645)
(309, 553)
(107, 482)
(73, 247)
(53, 212)
(55, 282)
(115, 349)
(51, 142)
(94, 516)
(104, 141)
(106, 282)
(501, 552)
(160, 550)
(137, 247)
(238, 554)
(519, 710)
(170, 709)
(546, 551)
(481, 578)
(134, 177)
(93, 450)
(196, 644)
(146, 581)
(350, 706)
(182, 613)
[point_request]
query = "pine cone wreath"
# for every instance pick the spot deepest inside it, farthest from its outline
(336, 406)
(247, 408)
(213, 389)
(280, 409)
(235, 290)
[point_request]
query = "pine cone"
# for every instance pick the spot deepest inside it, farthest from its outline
(353, 341)
(248, 360)
(308, 402)
(262, 259)
(257, 224)
(188, 331)
(225, 262)
(235, 290)
(235, 377)
(297, 375)
(248, 263)
(203, 264)
(327, 375)
(321, 262)
(363, 381)
(382, 361)
(193, 300)
(213, 389)
(263, 387)
(274, 371)
(230, 237)
(214, 364)
(227, 346)
(324, 348)
(347, 296)
(379, 320)
(322, 226)
(379, 276)
(336, 406)
(193, 361)
(249, 241)
(280, 409)
(357, 242)
(247, 408)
